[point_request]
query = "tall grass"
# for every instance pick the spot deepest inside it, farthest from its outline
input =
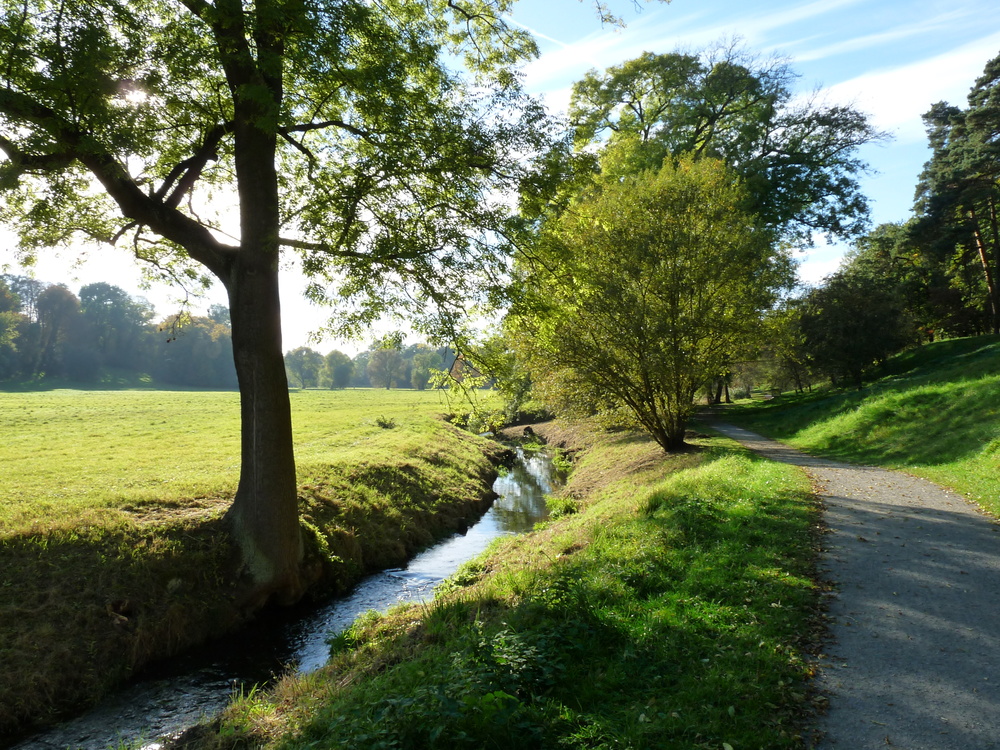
(934, 412)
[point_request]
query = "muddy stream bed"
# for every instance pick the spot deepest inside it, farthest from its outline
(171, 697)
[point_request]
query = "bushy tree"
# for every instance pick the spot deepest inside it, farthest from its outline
(305, 365)
(646, 290)
(851, 322)
(385, 368)
(425, 361)
(337, 369)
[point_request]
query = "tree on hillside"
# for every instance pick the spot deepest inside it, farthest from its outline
(958, 196)
(337, 369)
(798, 159)
(899, 254)
(212, 135)
(851, 322)
(647, 290)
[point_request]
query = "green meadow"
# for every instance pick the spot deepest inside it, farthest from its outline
(68, 454)
(111, 548)
(933, 411)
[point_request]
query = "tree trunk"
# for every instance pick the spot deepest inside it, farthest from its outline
(991, 287)
(264, 515)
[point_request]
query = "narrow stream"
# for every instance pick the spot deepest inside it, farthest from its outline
(177, 694)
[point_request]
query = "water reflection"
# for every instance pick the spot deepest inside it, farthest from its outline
(178, 694)
(519, 506)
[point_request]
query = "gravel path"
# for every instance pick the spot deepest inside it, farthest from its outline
(915, 616)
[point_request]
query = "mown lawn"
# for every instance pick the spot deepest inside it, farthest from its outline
(112, 552)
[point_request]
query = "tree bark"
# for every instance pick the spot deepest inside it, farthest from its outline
(263, 518)
(984, 259)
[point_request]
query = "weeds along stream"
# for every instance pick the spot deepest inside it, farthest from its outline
(176, 694)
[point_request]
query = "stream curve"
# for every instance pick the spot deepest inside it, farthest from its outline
(173, 696)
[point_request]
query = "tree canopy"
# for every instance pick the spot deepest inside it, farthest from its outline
(798, 158)
(214, 136)
(645, 290)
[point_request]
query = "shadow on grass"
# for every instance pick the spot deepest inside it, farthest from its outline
(672, 628)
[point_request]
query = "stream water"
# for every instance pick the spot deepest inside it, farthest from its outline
(175, 695)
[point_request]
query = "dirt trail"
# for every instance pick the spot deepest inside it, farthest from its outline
(915, 615)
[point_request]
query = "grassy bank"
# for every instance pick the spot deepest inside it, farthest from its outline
(669, 611)
(111, 551)
(935, 412)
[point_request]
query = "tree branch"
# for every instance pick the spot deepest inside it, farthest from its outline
(189, 170)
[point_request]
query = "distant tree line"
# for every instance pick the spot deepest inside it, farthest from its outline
(48, 331)
(102, 333)
(381, 366)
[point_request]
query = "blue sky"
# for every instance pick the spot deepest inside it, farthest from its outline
(890, 58)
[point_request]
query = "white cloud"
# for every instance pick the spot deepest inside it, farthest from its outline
(869, 41)
(897, 97)
(659, 31)
(819, 262)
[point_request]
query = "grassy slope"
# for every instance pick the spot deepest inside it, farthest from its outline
(110, 546)
(935, 412)
(668, 612)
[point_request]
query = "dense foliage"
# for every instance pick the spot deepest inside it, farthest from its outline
(933, 276)
(798, 158)
(646, 290)
(104, 335)
(661, 247)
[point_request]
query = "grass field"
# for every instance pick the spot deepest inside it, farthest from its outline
(67, 454)
(111, 550)
(671, 610)
(935, 412)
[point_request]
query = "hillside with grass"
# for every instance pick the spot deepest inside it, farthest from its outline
(933, 411)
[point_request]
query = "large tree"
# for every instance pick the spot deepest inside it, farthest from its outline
(797, 156)
(958, 196)
(645, 291)
(211, 135)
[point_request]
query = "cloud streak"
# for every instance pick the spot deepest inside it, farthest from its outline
(897, 97)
